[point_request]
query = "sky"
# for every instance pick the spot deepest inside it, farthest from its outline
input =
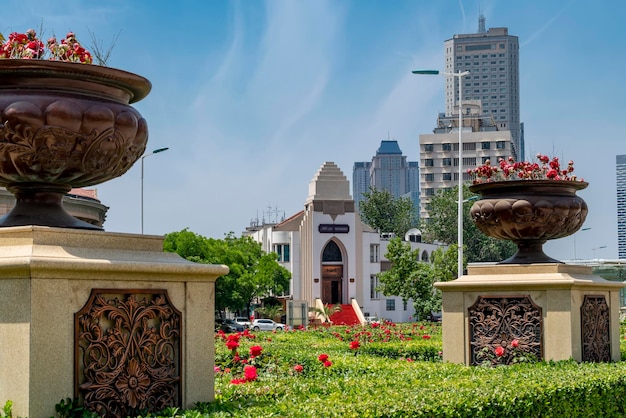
(252, 97)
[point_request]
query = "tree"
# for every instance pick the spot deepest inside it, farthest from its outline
(442, 227)
(380, 210)
(253, 273)
(412, 279)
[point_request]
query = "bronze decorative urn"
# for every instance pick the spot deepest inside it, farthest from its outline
(62, 126)
(529, 213)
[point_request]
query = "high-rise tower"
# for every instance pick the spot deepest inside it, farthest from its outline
(621, 206)
(492, 58)
(388, 170)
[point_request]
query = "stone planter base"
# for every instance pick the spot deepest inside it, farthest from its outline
(553, 311)
(68, 296)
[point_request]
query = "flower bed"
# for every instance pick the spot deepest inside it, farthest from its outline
(380, 376)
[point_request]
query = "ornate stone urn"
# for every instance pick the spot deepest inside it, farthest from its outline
(64, 125)
(529, 212)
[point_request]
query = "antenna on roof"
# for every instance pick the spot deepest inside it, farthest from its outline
(481, 21)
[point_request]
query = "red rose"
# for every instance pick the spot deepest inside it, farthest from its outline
(515, 343)
(499, 351)
(250, 373)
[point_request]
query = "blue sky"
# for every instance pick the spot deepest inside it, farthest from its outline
(252, 97)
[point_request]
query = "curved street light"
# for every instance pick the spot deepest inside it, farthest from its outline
(156, 151)
(597, 248)
(459, 75)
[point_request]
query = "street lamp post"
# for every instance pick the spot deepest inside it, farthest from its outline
(583, 229)
(156, 151)
(597, 248)
(459, 75)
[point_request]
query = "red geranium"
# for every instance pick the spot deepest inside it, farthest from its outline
(511, 170)
(354, 345)
(322, 357)
(298, 368)
(27, 46)
(256, 350)
(499, 351)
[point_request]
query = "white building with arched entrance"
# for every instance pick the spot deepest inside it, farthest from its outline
(333, 257)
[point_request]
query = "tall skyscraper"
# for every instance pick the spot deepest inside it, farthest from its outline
(621, 206)
(388, 170)
(492, 58)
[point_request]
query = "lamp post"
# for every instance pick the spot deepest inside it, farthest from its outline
(597, 248)
(583, 229)
(459, 75)
(156, 151)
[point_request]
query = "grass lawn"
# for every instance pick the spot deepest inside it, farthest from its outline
(395, 370)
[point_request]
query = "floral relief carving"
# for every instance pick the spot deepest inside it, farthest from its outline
(127, 352)
(505, 330)
(595, 328)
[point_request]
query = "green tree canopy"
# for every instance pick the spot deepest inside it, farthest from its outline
(253, 273)
(410, 278)
(442, 226)
(380, 210)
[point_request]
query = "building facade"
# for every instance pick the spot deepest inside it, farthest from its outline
(620, 165)
(389, 170)
(492, 58)
(439, 152)
(333, 256)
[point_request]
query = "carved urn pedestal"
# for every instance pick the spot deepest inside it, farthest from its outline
(108, 318)
(503, 313)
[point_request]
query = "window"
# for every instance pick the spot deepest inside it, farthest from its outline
(447, 161)
(391, 304)
(373, 286)
(447, 176)
(374, 253)
(428, 147)
(469, 146)
(486, 145)
(283, 252)
(446, 147)
(429, 191)
(429, 177)
(428, 162)
(467, 161)
(500, 145)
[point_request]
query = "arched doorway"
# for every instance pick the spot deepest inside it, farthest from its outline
(332, 274)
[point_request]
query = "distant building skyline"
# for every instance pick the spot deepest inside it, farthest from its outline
(439, 151)
(492, 58)
(389, 170)
(620, 168)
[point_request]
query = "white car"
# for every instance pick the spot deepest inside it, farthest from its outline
(267, 325)
(372, 320)
(243, 321)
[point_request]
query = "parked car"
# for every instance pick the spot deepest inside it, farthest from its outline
(434, 316)
(267, 325)
(227, 325)
(243, 321)
(372, 320)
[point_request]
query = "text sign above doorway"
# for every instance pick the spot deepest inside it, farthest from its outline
(333, 229)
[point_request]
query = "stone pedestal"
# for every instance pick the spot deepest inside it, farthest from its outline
(557, 311)
(49, 277)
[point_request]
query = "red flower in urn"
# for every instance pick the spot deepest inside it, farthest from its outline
(528, 203)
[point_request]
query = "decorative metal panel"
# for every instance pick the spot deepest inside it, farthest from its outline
(595, 328)
(127, 352)
(505, 330)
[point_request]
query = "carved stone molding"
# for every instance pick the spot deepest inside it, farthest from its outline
(504, 330)
(595, 329)
(127, 352)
